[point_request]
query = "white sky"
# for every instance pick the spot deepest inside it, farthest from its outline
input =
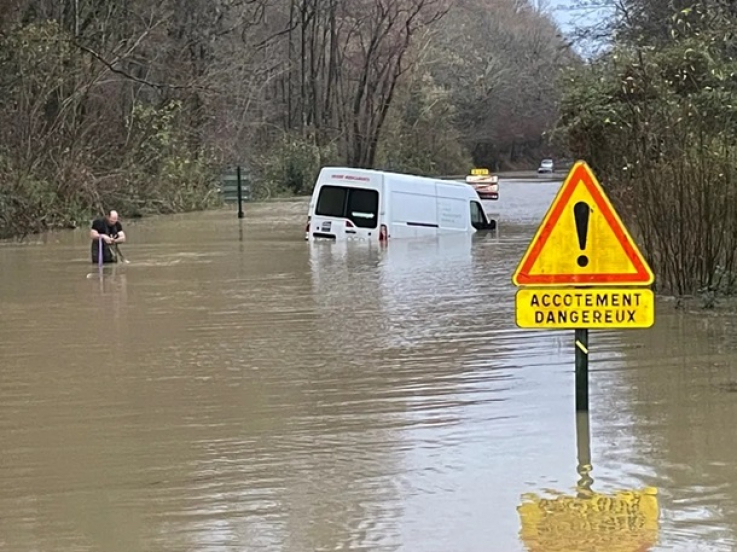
(569, 15)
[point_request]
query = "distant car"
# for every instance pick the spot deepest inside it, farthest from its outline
(546, 166)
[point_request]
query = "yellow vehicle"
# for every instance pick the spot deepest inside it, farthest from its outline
(485, 184)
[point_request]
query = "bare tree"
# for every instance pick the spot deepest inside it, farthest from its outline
(125, 101)
(502, 76)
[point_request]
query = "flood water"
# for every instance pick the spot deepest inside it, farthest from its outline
(236, 388)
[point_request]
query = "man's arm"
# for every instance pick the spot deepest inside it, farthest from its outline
(95, 235)
(120, 237)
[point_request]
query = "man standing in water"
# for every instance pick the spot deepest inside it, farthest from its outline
(109, 231)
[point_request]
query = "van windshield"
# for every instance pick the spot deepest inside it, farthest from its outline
(358, 205)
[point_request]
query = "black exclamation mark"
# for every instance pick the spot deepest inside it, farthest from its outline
(581, 214)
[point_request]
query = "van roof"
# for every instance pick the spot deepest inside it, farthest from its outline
(400, 175)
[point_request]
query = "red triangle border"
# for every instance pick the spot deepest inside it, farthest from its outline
(582, 175)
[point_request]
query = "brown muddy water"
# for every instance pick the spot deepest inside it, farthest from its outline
(236, 388)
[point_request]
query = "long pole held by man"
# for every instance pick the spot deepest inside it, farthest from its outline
(106, 233)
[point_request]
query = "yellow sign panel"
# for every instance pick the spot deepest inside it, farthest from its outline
(560, 308)
(479, 172)
(582, 241)
(625, 522)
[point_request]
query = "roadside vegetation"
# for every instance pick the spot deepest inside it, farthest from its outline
(656, 117)
(139, 106)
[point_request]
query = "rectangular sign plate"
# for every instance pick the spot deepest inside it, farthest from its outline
(595, 309)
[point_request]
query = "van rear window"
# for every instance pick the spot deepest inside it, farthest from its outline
(358, 205)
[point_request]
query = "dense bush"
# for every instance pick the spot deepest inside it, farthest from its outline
(658, 122)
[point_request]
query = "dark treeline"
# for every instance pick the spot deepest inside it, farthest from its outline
(137, 105)
(656, 116)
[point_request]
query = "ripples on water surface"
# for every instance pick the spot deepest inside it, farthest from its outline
(235, 388)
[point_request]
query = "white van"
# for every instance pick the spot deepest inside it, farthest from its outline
(374, 205)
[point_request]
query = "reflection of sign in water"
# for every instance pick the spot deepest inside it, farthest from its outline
(625, 522)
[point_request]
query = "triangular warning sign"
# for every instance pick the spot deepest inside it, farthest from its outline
(582, 241)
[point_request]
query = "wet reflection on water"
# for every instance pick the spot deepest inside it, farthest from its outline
(235, 388)
(587, 520)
